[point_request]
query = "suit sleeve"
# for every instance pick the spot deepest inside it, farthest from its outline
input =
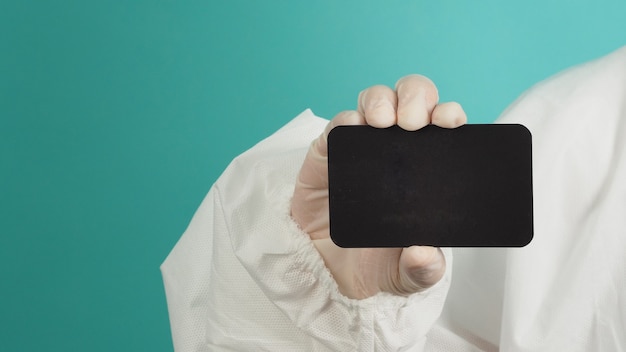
(245, 277)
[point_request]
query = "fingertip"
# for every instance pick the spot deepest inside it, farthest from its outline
(378, 106)
(348, 117)
(422, 266)
(345, 118)
(421, 256)
(407, 86)
(381, 114)
(412, 118)
(449, 115)
(417, 97)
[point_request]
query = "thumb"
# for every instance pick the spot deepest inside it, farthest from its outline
(420, 268)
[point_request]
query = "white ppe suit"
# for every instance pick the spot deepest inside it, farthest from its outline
(243, 277)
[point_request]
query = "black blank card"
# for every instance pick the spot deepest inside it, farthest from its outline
(464, 187)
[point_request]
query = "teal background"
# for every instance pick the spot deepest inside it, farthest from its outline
(117, 116)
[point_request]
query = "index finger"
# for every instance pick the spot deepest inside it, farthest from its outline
(378, 105)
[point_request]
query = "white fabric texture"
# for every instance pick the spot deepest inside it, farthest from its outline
(566, 291)
(243, 277)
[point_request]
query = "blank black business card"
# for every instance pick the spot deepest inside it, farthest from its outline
(465, 187)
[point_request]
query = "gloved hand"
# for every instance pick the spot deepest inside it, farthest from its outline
(363, 272)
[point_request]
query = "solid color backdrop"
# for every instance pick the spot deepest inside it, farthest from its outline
(117, 116)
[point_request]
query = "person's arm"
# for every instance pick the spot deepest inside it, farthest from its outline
(246, 276)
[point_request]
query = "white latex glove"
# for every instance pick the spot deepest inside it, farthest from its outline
(363, 272)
